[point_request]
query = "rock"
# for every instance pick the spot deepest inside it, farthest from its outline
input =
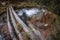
(46, 25)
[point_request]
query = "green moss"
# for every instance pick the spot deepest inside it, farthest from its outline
(57, 36)
(58, 18)
(19, 27)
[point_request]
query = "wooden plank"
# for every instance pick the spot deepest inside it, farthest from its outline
(15, 26)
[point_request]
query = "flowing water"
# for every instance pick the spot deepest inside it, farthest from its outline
(30, 12)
